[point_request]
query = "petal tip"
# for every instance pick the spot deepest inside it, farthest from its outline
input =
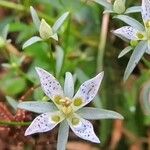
(27, 132)
(38, 69)
(96, 140)
(101, 75)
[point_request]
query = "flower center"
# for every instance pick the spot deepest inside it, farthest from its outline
(64, 105)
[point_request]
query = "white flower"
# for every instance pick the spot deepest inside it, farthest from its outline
(69, 106)
(132, 34)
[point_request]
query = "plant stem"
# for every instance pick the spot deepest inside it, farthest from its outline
(66, 41)
(102, 42)
(12, 5)
(52, 60)
(7, 123)
(29, 92)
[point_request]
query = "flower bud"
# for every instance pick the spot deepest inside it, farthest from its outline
(45, 30)
(119, 6)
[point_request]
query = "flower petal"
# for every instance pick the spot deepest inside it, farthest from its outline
(44, 123)
(91, 113)
(87, 91)
(126, 32)
(37, 106)
(148, 49)
(84, 129)
(145, 10)
(69, 85)
(49, 84)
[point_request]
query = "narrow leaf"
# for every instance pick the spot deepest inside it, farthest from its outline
(131, 21)
(59, 59)
(12, 102)
(135, 58)
(63, 135)
(104, 3)
(31, 41)
(35, 17)
(125, 51)
(60, 21)
(133, 9)
(5, 32)
(97, 113)
(37, 106)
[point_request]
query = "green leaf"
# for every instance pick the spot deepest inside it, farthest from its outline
(130, 21)
(13, 85)
(5, 32)
(135, 58)
(133, 9)
(37, 106)
(69, 85)
(35, 17)
(104, 3)
(125, 51)
(63, 135)
(60, 21)
(31, 41)
(97, 113)
(59, 59)
(12, 102)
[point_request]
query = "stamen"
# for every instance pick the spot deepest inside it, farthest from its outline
(57, 99)
(65, 102)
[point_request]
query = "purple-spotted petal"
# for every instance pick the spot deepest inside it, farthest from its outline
(84, 129)
(146, 10)
(126, 32)
(49, 84)
(87, 91)
(43, 123)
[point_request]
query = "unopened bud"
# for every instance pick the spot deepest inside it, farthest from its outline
(119, 6)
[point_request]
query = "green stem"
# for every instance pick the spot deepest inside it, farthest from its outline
(66, 42)
(7, 123)
(52, 60)
(12, 5)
